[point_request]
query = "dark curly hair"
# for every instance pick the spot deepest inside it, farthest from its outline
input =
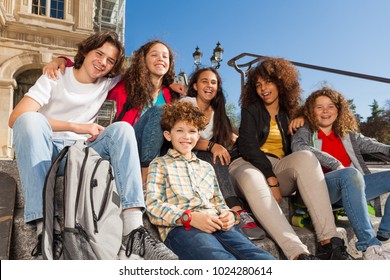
(222, 134)
(286, 78)
(182, 111)
(345, 121)
(94, 42)
(137, 77)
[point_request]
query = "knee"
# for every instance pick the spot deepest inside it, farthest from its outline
(123, 129)
(355, 176)
(306, 159)
(29, 122)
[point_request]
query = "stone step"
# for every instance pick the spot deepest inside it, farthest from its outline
(24, 237)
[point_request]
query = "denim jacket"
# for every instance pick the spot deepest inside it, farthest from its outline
(355, 144)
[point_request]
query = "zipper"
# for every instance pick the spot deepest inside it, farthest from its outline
(82, 170)
(93, 184)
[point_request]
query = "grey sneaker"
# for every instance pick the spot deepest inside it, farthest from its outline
(140, 245)
(36, 253)
(249, 226)
(375, 252)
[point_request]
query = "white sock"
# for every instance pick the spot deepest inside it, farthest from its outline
(131, 220)
(39, 224)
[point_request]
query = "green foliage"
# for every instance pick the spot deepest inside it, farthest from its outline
(378, 124)
(231, 111)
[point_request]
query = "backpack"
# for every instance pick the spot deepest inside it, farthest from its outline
(92, 226)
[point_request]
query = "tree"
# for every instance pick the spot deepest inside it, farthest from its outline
(378, 124)
(231, 111)
(352, 106)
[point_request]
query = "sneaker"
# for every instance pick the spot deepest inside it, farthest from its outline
(57, 250)
(140, 245)
(249, 226)
(58, 245)
(385, 244)
(335, 250)
(375, 252)
(307, 257)
(36, 253)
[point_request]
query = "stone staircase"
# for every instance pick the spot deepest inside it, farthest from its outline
(23, 237)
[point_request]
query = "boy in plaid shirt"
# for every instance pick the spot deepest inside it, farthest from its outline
(183, 198)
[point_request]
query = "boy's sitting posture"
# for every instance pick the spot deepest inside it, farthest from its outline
(183, 198)
(56, 113)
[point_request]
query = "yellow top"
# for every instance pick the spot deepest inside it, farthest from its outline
(274, 144)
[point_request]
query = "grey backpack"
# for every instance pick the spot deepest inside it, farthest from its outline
(92, 226)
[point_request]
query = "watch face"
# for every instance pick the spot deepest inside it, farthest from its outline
(185, 217)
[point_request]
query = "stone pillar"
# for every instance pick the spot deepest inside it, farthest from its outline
(6, 105)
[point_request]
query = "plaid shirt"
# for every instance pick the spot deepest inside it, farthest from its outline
(175, 184)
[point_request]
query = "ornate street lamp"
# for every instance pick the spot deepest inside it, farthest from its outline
(197, 55)
(215, 59)
(217, 54)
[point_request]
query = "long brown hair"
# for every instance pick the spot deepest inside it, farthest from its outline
(137, 78)
(222, 133)
(285, 76)
(345, 121)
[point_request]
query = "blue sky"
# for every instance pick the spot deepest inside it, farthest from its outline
(348, 35)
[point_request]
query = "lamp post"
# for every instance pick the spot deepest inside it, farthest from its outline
(215, 59)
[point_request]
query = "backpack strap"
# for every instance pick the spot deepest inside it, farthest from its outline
(49, 206)
(126, 107)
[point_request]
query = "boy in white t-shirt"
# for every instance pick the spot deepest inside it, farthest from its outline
(56, 113)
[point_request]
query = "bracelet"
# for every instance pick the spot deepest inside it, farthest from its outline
(210, 146)
(275, 186)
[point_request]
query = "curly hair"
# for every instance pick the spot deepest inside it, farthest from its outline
(182, 111)
(286, 78)
(137, 77)
(94, 42)
(222, 134)
(345, 121)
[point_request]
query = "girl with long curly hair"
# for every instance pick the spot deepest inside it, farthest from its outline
(205, 92)
(331, 134)
(141, 94)
(265, 169)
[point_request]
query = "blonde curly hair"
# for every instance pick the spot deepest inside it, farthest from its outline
(345, 121)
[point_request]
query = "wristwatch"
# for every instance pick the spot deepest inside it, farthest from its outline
(186, 219)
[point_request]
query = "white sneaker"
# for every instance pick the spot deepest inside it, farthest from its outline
(375, 252)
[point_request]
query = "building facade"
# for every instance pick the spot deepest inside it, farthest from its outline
(33, 32)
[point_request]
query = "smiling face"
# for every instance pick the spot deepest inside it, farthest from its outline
(325, 113)
(97, 63)
(206, 86)
(267, 91)
(157, 60)
(184, 137)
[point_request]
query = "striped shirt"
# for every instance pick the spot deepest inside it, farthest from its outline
(175, 184)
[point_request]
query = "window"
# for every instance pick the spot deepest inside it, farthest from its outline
(42, 7)
(57, 9)
(39, 7)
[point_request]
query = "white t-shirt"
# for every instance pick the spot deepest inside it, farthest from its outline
(66, 99)
(207, 133)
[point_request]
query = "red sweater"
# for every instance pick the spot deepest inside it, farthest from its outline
(119, 95)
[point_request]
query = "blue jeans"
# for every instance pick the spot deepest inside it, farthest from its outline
(35, 149)
(349, 188)
(195, 244)
(224, 180)
(149, 135)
